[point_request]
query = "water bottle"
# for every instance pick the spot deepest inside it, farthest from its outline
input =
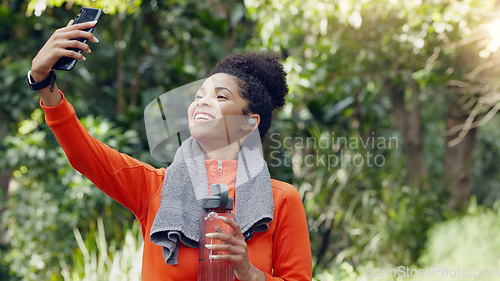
(217, 205)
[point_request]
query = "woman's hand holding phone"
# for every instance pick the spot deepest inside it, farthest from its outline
(57, 47)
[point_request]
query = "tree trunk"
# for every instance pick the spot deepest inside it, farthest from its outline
(120, 96)
(4, 183)
(4, 186)
(409, 122)
(458, 159)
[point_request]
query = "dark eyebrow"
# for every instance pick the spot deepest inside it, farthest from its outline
(218, 88)
(223, 88)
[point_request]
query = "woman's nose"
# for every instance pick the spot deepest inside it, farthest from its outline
(202, 102)
(207, 100)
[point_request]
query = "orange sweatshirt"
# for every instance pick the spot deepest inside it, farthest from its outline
(282, 252)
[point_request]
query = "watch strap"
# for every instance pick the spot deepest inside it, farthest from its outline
(49, 81)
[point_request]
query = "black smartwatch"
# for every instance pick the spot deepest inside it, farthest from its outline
(47, 82)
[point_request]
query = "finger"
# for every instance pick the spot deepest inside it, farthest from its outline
(78, 26)
(226, 238)
(84, 34)
(94, 39)
(234, 225)
(219, 247)
(73, 34)
(228, 248)
(72, 54)
(63, 35)
(233, 258)
(84, 25)
(220, 257)
(75, 44)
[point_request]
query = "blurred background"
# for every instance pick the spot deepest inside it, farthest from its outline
(390, 131)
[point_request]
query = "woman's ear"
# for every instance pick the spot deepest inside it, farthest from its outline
(252, 122)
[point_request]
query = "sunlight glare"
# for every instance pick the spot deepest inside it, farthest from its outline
(494, 32)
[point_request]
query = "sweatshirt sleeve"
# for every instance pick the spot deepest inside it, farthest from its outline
(125, 179)
(291, 246)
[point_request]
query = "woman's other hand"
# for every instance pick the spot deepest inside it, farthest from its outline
(237, 247)
(56, 47)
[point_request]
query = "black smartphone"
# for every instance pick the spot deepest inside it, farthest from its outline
(84, 15)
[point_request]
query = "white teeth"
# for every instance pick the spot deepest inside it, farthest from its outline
(202, 116)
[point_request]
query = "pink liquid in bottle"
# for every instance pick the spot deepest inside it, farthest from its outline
(215, 206)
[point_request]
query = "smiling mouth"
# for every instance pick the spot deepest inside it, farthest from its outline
(203, 117)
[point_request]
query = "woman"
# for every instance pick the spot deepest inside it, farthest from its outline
(249, 86)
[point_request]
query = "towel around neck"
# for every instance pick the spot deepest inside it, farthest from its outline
(186, 183)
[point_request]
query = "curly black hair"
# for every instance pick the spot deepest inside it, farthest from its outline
(262, 82)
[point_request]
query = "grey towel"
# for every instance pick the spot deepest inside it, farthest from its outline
(186, 184)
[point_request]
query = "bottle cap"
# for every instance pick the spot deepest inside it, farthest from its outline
(219, 197)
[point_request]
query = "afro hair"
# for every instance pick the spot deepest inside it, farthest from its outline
(262, 81)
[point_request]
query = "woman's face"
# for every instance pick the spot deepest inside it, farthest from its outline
(216, 114)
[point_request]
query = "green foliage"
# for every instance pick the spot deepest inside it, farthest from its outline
(108, 7)
(344, 272)
(485, 168)
(463, 248)
(99, 259)
(40, 214)
(454, 242)
(5, 267)
(358, 211)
